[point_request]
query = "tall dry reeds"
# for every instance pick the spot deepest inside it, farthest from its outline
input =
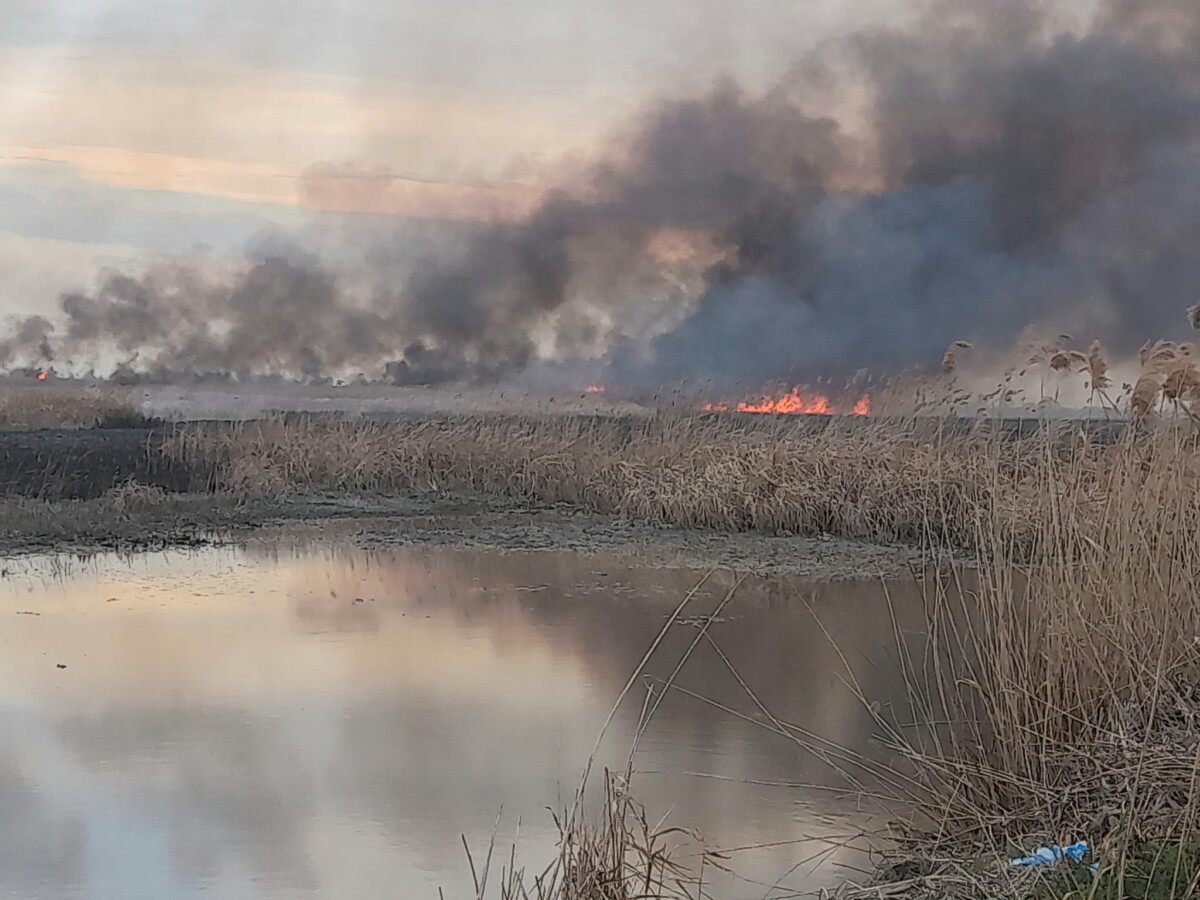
(33, 406)
(1061, 696)
(879, 480)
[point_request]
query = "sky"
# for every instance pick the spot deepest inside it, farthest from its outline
(136, 128)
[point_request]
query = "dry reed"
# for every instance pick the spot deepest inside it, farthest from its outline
(1097, 367)
(27, 407)
(619, 855)
(1061, 696)
(950, 357)
(884, 481)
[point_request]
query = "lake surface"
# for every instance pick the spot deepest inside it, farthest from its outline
(295, 721)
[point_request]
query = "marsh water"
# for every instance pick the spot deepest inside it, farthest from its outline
(293, 720)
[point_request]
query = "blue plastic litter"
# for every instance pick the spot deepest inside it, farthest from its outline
(1043, 855)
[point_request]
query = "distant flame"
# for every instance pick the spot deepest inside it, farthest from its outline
(792, 402)
(595, 389)
(41, 376)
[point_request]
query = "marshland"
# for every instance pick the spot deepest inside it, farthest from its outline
(891, 650)
(597, 451)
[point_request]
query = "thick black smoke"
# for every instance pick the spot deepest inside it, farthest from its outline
(282, 314)
(1027, 178)
(1002, 175)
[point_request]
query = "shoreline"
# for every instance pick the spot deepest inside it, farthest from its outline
(137, 519)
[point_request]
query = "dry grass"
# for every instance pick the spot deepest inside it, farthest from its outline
(897, 479)
(26, 407)
(886, 480)
(618, 855)
(883, 481)
(1061, 697)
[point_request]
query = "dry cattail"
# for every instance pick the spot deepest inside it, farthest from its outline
(1193, 314)
(1145, 395)
(1097, 366)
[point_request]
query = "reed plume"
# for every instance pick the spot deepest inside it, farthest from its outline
(1097, 367)
(1062, 360)
(950, 357)
(1182, 380)
(1145, 394)
(1160, 355)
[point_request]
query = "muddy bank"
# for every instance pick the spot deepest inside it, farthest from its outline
(139, 519)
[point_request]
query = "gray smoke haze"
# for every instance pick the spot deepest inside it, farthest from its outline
(1004, 176)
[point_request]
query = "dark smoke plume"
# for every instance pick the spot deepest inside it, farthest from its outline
(1004, 175)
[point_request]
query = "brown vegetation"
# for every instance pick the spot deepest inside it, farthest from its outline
(35, 406)
(618, 854)
(1059, 698)
(882, 480)
(1072, 678)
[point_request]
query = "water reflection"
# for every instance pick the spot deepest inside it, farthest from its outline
(292, 721)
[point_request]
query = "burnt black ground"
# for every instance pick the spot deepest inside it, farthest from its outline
(83, 464)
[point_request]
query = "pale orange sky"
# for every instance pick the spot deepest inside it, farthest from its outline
(142, 127)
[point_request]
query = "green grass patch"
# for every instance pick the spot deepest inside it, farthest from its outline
(1148, 870)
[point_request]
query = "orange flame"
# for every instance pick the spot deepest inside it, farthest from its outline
(792, 403)
(41, 376)
(595, 389)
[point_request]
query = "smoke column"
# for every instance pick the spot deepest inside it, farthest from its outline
(999, 175)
